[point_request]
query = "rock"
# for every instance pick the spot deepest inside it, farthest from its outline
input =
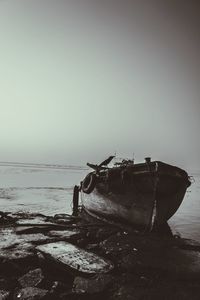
(63, 216)
(75, 258)
(5, 219)
(16, 263)
(32, 229)
(41, 257)
(63, 219)
(55, 286)
(30, 293)
(24, 229)
(32, 279)
(25, 215)
(17, 260)
(9, 238)
(64, 234)
(63, 222)
(39, 220)
(59, 287)
(4, 295)
(148, 266)
(34, 238)
(93, 285)
(15, 254)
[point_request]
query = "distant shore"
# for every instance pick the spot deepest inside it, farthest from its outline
(42, 165)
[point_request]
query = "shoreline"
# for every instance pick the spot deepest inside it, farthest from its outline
(138, 266)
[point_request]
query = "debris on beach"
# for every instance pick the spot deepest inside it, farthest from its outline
(71, 258)
(30, 293)
(97, 284)
(75, 258)
(32, 279)
(38, 220)
(64, 234)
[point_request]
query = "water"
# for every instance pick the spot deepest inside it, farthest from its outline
(186, 221)
(46, 190)
(49, 190)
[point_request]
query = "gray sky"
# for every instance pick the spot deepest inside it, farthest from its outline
(80, 80)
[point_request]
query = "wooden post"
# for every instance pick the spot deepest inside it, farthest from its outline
(75, 200)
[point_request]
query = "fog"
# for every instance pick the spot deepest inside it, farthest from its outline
(81, 80)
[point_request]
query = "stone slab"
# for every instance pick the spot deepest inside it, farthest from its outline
(75, 258)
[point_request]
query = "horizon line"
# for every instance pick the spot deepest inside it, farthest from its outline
(42, 165)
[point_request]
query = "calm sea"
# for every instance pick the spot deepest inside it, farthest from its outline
(49, 189)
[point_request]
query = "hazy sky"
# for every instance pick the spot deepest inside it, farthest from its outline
(80, 80)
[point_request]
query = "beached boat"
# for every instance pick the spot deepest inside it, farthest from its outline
(141, 194)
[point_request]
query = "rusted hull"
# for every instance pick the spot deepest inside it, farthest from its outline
(140, 199)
